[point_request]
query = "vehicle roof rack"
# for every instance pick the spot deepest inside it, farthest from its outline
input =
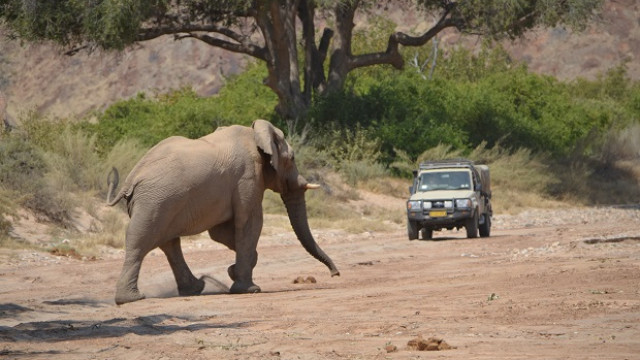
(462, 163)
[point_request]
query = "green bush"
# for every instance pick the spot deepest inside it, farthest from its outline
(149, 121)
(182, 112)
(473, 99)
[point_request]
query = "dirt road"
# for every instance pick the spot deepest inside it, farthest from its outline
(561, 284)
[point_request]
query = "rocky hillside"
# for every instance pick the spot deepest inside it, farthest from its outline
(38, 76)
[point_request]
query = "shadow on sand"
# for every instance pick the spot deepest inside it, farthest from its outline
(65, 330)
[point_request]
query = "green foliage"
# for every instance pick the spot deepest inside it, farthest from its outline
(41, 131)
(244, 98)
(180, 113)
(354, 153)
(480, 98)
(499, 18)
(183, 112)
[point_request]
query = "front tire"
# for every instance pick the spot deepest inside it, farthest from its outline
(472, 226)
(485, 228)
(412, 230)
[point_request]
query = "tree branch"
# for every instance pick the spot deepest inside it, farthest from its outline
(153, 32)
(249, 49)
(392, 54)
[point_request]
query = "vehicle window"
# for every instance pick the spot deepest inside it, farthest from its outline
(445, 180)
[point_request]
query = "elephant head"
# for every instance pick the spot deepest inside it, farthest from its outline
(281, 176)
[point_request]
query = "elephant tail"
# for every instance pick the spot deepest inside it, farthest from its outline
(112, 182)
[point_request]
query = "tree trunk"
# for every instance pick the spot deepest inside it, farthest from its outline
(277, 21)
(339, 65)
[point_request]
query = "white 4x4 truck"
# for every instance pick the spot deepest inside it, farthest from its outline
(449, 194)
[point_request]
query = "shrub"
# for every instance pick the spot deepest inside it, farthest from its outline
(621, 144)
(355, 154)
(73, 163)
(6, 208)
(149, 121)
(23, 169)
(183, 113)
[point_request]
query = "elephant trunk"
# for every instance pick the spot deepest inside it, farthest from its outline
(297, 210)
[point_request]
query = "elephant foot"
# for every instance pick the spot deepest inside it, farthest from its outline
(195, 288)
(231, 272)
(123, 297)
(244, 288)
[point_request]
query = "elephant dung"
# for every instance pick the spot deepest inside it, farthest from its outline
(302, 280)
(430, 344)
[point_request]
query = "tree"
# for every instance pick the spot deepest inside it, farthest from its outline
(301, 60)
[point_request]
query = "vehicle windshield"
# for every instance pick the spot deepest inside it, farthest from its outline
(444, 180)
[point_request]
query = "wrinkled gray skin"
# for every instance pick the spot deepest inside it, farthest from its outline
(216, 183)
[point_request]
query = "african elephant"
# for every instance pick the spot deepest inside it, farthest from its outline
(215, 183)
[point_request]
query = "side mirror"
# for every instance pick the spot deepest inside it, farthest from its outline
(410, 189)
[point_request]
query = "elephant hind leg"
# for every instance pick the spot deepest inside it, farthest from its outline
(187, 283)
(127, 286)
(225, 234)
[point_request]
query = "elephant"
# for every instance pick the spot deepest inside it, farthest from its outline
(215, 183)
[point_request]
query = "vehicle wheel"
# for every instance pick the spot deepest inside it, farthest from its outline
(427, 234)
(485, 229)
(472, 226)
(412, 229)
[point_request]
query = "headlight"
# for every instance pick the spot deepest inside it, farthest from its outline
(448, 204)
(426, 205)
(463, 203)
(413, 205)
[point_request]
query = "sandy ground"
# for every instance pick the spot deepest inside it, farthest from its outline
(562, 284)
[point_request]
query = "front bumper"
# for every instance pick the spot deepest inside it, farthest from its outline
(440, 216)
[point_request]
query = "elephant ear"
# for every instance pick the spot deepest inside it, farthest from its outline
(271, 141)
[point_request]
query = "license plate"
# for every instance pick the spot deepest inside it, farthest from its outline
(439, 213)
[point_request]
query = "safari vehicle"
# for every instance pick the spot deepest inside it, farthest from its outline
(449, 194)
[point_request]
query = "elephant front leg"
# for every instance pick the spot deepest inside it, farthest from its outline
(187, 283)
(242, 274)
(246, 241)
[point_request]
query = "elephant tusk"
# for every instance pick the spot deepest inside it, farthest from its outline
(312, 186)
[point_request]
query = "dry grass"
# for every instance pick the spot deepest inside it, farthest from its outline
(387, 185)
(337, 206)
(111, 232)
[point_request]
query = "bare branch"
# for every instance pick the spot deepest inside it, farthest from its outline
(392, 55)
(153, 32)
(76, 50)
(244, 48)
